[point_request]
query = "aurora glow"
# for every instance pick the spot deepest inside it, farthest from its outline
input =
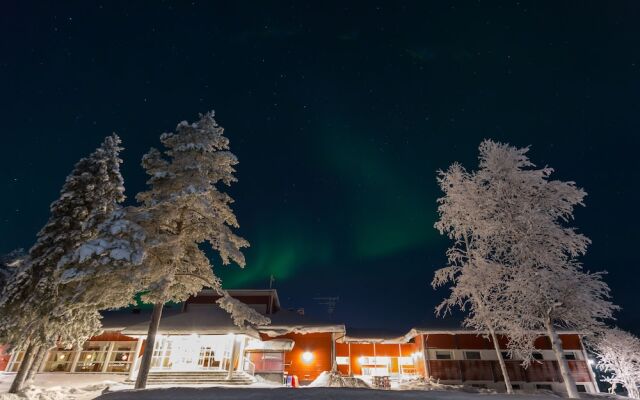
(340, 116)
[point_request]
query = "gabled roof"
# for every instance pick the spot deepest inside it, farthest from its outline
(204, 319)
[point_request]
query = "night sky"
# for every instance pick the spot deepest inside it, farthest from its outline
(340, 116)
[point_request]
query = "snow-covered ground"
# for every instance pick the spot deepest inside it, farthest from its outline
(57, 386)
(60, 386)
(307, 394)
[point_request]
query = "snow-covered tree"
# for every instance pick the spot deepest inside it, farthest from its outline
(114, 256)
(9, 264)
(618, 355)
(465, 216)
(548, 288)
(524, 229)
(27, 318)
(184, 208)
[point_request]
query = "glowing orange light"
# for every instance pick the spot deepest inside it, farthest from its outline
(307, 356)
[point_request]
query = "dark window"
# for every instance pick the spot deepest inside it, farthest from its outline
(443, 355)
(538, 356)
(543, 387)
(570, 355)
(581, 388)
(505, 355)
(472, 355)
(516, 387)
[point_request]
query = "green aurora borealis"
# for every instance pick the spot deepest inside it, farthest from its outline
(340, 114)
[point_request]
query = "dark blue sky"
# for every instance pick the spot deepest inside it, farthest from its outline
(340, 116)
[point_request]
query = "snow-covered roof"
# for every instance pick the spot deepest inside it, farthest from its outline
(117, 320)
(197, 318)
(288, 321)
(373, 336)
(210, 319)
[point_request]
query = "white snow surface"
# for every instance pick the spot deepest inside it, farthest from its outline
(308, 393)
(61, 386)
(334, 379)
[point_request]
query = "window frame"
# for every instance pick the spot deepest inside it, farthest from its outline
(444, 355)
(467, 352)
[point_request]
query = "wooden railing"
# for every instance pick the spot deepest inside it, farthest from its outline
(489, 370)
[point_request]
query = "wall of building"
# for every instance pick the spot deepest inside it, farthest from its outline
(318, 344)
(461, 365)
(4, 357)
(355, 352)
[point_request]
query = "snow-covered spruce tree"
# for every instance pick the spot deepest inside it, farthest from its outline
(113, 257)
(91, 192)
(465, 216)
(618, 354)
(182, 209)
(9, 264)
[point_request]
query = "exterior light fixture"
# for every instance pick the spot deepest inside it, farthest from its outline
(361, 360)
(307, 356)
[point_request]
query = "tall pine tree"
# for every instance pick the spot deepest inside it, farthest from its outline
(90, 194)
(182, 209)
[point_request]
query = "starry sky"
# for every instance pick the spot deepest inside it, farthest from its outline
(340, 113)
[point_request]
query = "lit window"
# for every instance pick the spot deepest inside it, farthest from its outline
(342, 360)
(406, 360)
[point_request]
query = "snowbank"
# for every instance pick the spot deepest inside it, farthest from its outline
(329, 379)
(60, 386)
(422, 384)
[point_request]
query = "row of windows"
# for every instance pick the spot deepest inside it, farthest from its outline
(378, 360)
(476, 355)
(539, 386)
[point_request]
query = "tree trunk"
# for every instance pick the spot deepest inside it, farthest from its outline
(503, 365)
(632, 389)
(556, 345)
(37, 363)
(334, 364)
(18, 381)
(145, 364)
(232, 356)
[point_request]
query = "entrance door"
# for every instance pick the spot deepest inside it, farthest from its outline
(191, 353)
(207, 358)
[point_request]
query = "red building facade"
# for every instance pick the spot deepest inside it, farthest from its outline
(198, 337)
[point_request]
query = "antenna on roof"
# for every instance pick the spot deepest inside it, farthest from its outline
(330, 302)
